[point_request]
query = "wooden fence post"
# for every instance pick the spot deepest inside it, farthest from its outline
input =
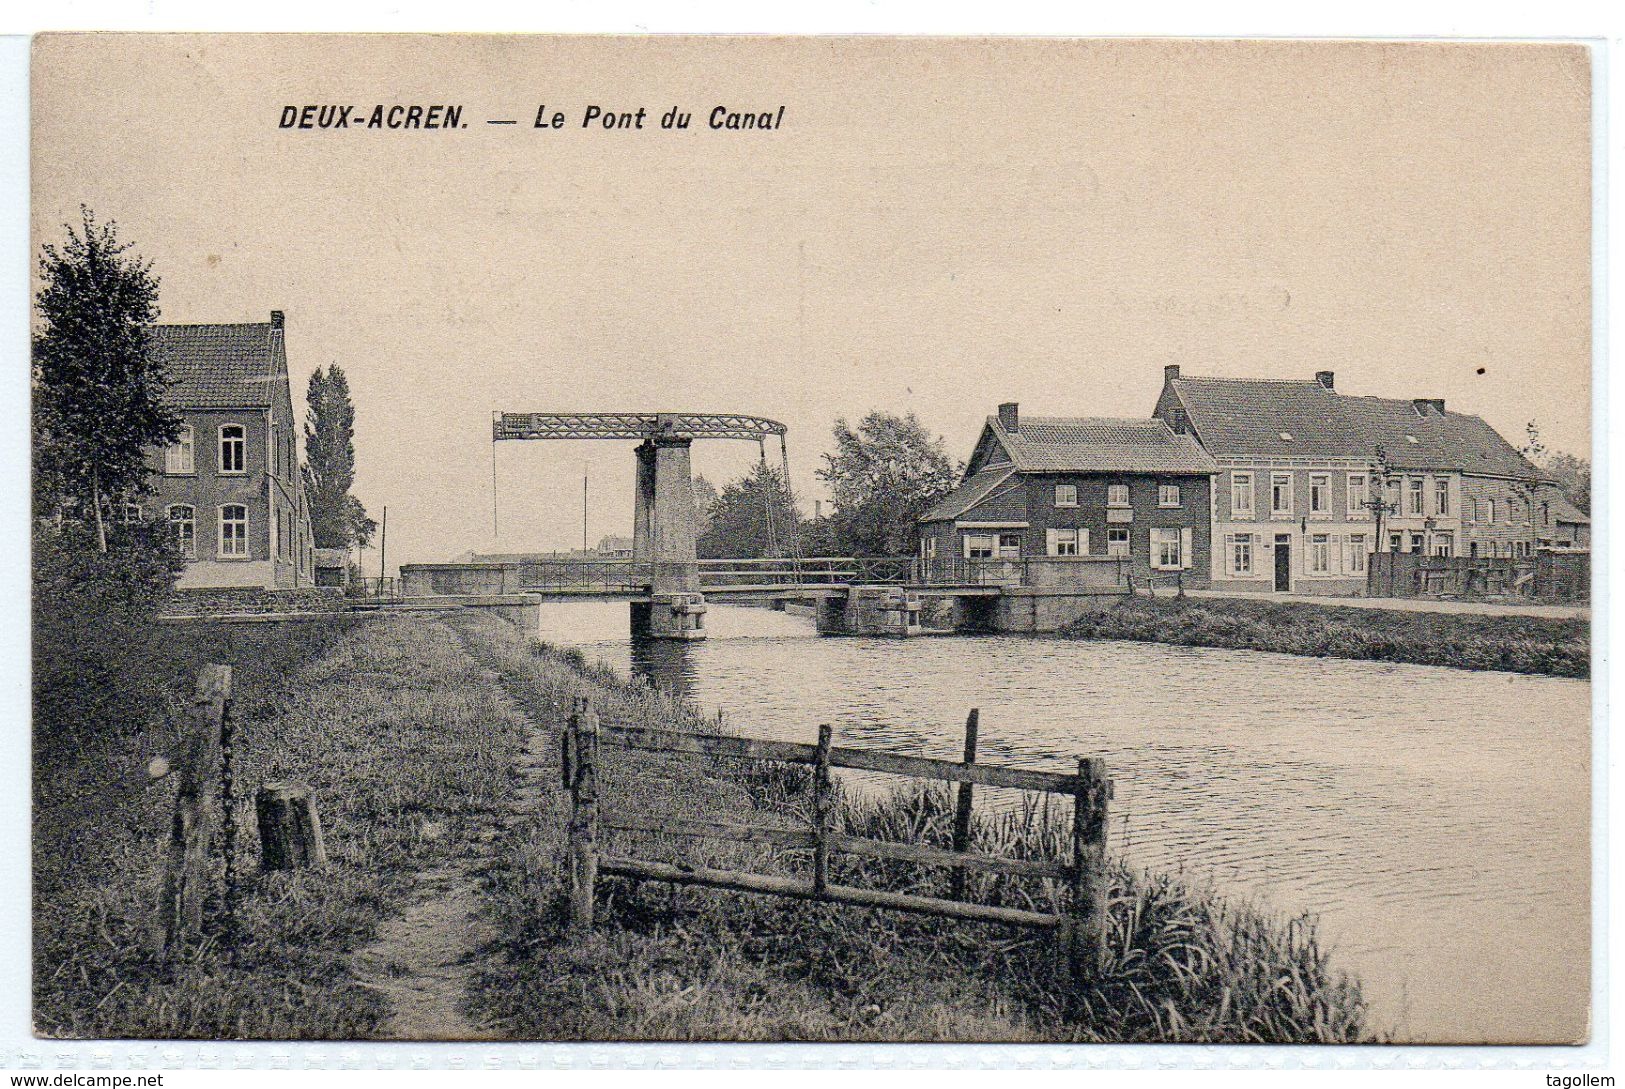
(823, 808)
(583, 815)
(962, 813)
(290, 828)
(186, 868)
(1089, 884)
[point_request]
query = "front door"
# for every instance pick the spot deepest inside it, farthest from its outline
(1283, 562)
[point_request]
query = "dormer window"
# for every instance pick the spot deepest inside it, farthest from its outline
(1412, 439)
(1286, 436)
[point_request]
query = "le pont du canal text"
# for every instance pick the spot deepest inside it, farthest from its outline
(424, 117)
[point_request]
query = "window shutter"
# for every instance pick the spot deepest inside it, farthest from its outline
(1083, 542)
(1050, 543)
(1185, 549)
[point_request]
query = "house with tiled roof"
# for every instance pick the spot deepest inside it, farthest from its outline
(1291, 509)
(229, 490)
(1454, 485)
(1311, 482)
(1561, 524)
(1077, 493)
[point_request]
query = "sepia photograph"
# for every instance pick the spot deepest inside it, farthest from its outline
(545, 538)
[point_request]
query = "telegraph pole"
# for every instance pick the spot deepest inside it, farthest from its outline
(383, 550)
(583, 506)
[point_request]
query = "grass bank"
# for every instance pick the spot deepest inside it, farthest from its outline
(409, 749)
(1518, 644)
(696, 964)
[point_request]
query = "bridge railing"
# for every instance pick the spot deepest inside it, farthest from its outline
(586, 576)
(806, 570)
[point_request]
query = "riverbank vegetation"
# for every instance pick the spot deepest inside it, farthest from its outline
(432, 746)
(409, 753)
(1183, 964)
(1518, 644)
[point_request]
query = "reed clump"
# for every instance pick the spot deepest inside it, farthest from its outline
(1184, 963)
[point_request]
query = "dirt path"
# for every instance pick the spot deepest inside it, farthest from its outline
(424, 959)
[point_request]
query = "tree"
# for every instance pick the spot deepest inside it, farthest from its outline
(337, 518)
(753, 517)
(1573, 476)
(1376, 499)
(98, 389)
(882, 477)
(705, 497)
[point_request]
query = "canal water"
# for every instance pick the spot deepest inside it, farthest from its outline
(1435, 820)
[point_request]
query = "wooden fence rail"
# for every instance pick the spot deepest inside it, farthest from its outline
(1082, 925)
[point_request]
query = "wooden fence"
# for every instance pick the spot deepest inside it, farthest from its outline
(1082, 927)
(203, 836)
(1547, 575)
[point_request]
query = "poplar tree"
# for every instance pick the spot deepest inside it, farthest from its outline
(98, 389)
(337, 518)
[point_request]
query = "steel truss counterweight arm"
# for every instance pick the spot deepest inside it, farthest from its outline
(632, 425)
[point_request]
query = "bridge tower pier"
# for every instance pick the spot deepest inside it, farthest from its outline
(664, 536)
(870, 610)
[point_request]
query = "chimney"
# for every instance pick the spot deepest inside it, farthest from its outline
(1009, 418)
(1170, 372)
(1325, 379)
(276, 319)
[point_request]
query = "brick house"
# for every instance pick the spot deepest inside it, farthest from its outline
(230, 490)
(1460, 489)
(1299, 470)
(1289, 511)
(1075, 492)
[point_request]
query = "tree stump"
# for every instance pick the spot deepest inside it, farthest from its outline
(290, 829)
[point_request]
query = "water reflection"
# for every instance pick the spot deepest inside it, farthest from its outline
(666, 664)
(1375, 795)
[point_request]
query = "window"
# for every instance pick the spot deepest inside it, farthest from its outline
(178, 458)
(1416, 542)
(1009, 546)
(1444, 544)
(1320, 493)
(183, 529)
(1357, 493)
(1066, 495)
(1390, 494)
(1167, 495)
(234, 530)
(1280, 493)
(1117, 543)
(1354, 554)
(928, 548)
(233, 446)
(1241, 495)
(1546, 513)
(1241, 554)
(1063, 542)
(1117, 495)
(1319, 554)
(1441, 496)
(1395, 542)
(1165, 550)
(980, 546)
(1413, 495)
(133, 514)
(1489, 505)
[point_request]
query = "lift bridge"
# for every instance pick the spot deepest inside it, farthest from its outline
(665, 582)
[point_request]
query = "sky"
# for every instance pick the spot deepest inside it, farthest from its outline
(939, 226)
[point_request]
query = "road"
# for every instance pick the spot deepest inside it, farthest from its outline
(1417, 604)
